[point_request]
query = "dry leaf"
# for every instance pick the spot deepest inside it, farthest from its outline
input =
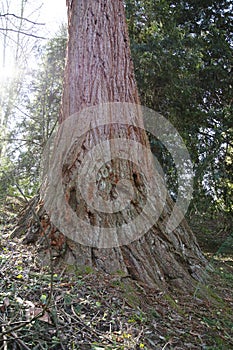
(35, 311)
(6, 302)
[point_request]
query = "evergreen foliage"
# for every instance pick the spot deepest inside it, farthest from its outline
(182, 53)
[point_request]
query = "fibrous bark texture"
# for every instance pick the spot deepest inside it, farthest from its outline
(99, 70)
(99, 65)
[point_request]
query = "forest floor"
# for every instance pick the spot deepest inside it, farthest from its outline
(67, 308)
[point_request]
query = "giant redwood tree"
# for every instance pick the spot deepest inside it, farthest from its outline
(99, 76)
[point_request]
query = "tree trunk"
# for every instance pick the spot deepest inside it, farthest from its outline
(99, 70)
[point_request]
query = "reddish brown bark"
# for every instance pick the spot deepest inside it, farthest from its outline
(99, 65)
(99, 69)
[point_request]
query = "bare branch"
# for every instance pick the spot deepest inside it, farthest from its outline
(20, 32)
(21, 18)
(20, 140)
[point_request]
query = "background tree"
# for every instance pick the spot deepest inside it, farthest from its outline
(33, 119)
(39, 112)
(17, 42)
